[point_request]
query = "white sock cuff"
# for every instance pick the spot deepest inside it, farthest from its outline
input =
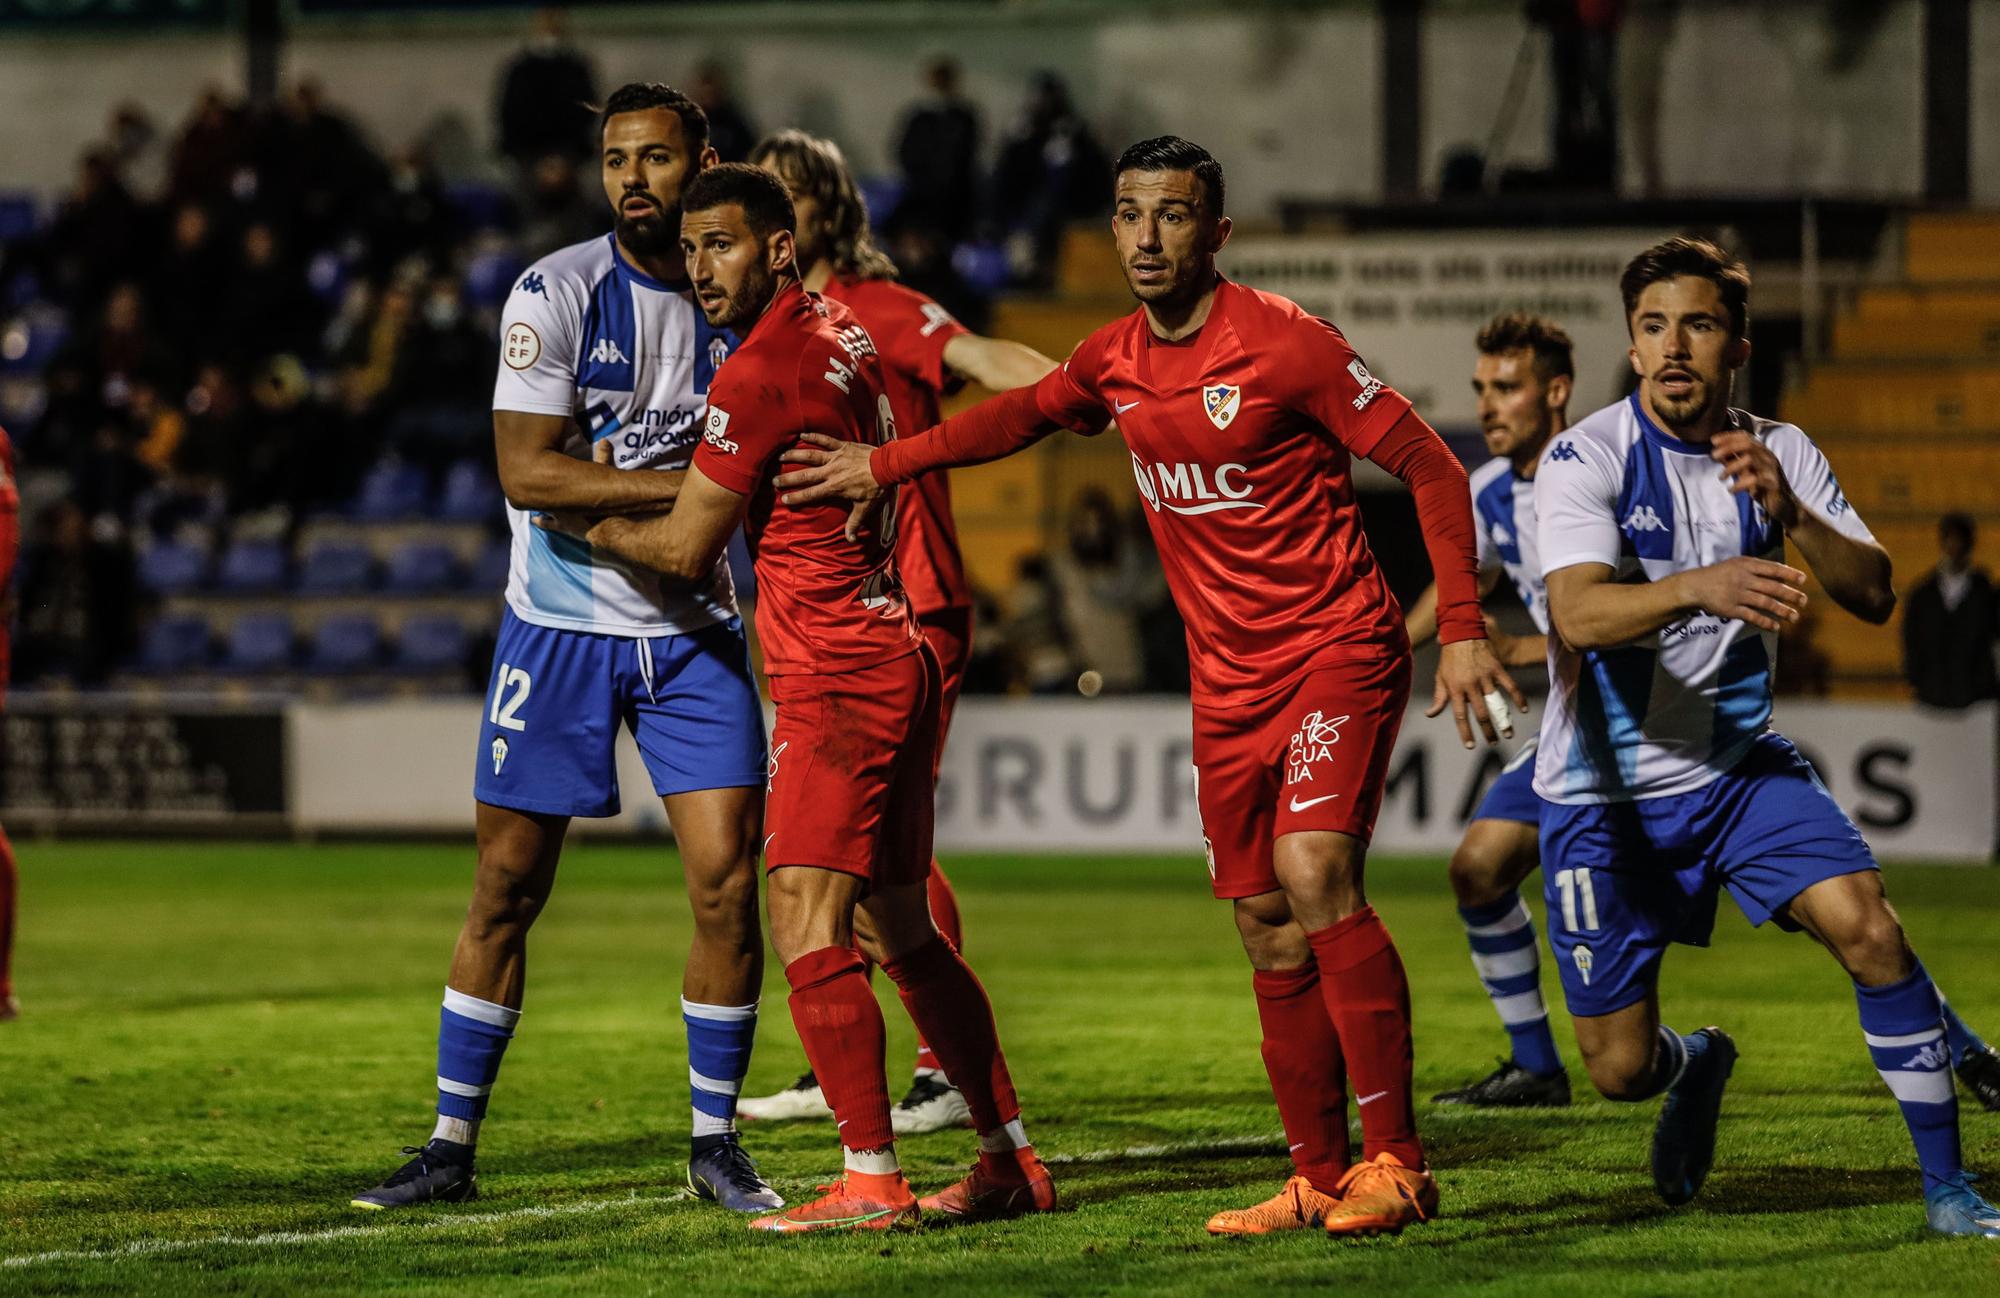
(720, 1013)
(1004, 1139)
(480, 1011)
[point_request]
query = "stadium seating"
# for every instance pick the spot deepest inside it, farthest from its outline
(431, 644)
(346, 644)
(421, 568)
(392, 490)
(251, 568)
(489, 570)
(17, 214)
(174, 644)
(336, 568)
(172, 567)
(470, 494)
(259, 643)
(489, 278)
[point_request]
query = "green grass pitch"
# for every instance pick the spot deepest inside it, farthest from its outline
(221, 1043)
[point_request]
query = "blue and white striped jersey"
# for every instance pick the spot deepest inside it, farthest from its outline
(1503, 508)
(1673, 712)
(587, 335)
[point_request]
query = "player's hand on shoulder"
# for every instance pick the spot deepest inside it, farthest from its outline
(1750, 465)
(1765, 594)
(1469, 676)
(566, 522)
(829, 469)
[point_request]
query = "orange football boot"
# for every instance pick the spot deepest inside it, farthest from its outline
(857, 1201)
(999, 1185)
(1299, 1206)
(1381, 1197)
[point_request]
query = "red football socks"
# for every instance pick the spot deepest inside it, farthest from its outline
(841, 1027)
(1368, 997)
(1308, 1077)
(944, 914)
(10, 882)
(950, 1008)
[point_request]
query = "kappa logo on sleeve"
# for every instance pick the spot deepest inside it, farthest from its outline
(521, 346)
(1371, 387)
(1565, 451)
(716, 431)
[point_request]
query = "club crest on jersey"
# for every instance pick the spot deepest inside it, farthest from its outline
(499, 753)
(718, 352)
(1581, 955)
(1221, 403)
(1313, 743)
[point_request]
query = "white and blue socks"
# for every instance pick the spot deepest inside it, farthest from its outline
(1509, 963)
(1905, 1030)
(719, 1039)
(472, 1036)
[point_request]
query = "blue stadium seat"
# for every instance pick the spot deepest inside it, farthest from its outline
(336, 568)
(489, 570)
(172, 567)
(983, 266)
(480, 206)
(421, 568)
(431, 644)
(31, 340)
(882, 194)
(176, 643)
(17, 214)
(259, 642)
(346, 644)
(392, 489)
(251, 568)
(327, 275)
(470, 494)
(490, 278)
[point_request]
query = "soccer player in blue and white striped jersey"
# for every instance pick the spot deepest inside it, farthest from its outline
(1662, 523)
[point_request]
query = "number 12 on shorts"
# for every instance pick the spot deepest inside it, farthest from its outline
(503, 710)
(1576, 890)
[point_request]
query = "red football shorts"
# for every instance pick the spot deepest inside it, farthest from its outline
(1312, 756)
(948, 631)
(851, 785)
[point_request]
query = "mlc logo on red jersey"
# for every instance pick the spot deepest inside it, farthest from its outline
(1221, 402)
(1166, 486)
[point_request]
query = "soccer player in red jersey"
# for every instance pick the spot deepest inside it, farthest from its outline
(856, 691)
(925, 354)
(10, 549)
(1242, 414)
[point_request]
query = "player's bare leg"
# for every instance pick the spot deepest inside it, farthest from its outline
(1631, 1056)
(1367, 996)
(718, 832)
(516, 870)
(950, 1007)
(1308, 1076)
(1486, 872)
(1902, 1019)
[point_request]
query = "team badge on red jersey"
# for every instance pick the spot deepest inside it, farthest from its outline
(1221, 402)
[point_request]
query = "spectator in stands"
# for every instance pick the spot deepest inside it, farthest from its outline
(212, 152)
(1037, 641)
(101, 235)
(410, 217)
(546, 93)
(266, 308)
(132, 139)
(1583, 65)
(1105, 581)
(440, 392)
(123, 345)
(322, 165)
(938, 153)
(730, 132)
(555, 210)
(1951, 620)
(1051, 172)
(922, 255)
(185, 288)
(298, 456)
(77, 596)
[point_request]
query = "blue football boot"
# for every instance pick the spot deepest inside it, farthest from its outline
(720, 1170)
(1684, 1139)
(441, 1172)
(1955, 1208)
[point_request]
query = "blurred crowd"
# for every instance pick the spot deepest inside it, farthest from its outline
(227, 323)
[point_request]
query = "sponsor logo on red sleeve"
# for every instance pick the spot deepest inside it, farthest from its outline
(716, 431)
(1371, 387)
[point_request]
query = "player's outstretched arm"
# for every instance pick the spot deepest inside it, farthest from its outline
(830, 469)
(684, 544)
(536, 474)
(1591, 611)
(995, 363)
(1854, 570)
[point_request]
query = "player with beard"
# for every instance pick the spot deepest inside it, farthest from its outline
(925, 354)
(1662, 525)
(605, 368)
(1243, 415)
(856, 693)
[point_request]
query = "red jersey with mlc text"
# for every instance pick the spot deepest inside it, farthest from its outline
(910, 333)
(824, 604)
(1241, 438)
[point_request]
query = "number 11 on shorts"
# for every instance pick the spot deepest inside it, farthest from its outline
(1576, 889)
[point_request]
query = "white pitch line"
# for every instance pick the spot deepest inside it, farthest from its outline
(282, 1238)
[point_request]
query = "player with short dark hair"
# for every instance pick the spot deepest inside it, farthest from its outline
(1662, 778)
(856, 692)
(598, 403)
(1522, 378)
(925, 354)
(1243, 415)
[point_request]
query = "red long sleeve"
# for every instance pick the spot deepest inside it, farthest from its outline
(1414, 452)
(992, 429)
